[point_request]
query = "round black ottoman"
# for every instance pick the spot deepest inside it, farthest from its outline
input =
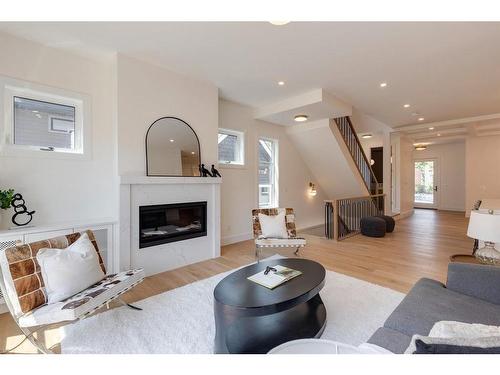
(373, 226)
(389, 223)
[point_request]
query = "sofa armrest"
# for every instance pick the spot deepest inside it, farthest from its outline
(475, 280)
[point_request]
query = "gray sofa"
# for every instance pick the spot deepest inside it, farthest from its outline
(471, 295)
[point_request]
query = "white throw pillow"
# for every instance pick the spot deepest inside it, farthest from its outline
(67, 272)
(446, 329)
(273, 226)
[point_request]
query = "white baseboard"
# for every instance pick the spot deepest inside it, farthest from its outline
(403, 215)
(228, 240)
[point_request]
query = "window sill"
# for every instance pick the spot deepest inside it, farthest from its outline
(13, 151)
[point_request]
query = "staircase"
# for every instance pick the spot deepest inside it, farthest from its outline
(343, 216)
(351, 140)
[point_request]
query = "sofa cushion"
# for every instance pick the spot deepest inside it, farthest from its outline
(391, 340)
(429, 301)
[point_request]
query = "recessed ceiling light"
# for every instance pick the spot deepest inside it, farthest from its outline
(192, 152)
(421, 119)
(383, 84)
(406, 106)
(431, 128)
(300, 118)
(366, 136)
(281, 83)
(38, 115)
(34, 111)
(171, 140)
(279, 23)
(439, 134)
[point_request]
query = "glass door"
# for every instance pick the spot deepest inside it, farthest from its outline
(426, 187)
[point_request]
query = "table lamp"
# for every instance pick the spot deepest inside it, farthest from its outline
(485, 226)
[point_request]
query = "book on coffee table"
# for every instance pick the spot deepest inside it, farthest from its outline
(274, 278)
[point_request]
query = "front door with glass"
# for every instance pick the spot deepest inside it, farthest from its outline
(426, 187)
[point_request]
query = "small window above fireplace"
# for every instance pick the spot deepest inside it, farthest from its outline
(159, 224)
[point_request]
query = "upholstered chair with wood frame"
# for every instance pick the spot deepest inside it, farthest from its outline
(292, 241)
(23, 288)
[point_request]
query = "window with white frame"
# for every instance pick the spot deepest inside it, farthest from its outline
(268, 173)
(39, 119)
(231, 147)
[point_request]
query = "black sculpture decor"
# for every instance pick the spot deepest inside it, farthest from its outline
(21, 211)
(215, 172)
(204, 172)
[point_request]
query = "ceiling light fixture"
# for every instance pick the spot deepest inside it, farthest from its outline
(383, 84)
(279, 23)
(406, 105)
(421, 119)
(366, 136)
(300, 118)
(439, 134)
(312, 189)
(420, 148)
(281, 83)
(171, 140)
(431, 128)
(192, 152)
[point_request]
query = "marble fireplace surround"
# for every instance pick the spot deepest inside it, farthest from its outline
(138, 191)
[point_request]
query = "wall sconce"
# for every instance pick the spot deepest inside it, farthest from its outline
(312, 189)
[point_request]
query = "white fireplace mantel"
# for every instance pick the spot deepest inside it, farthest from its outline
(142, 180)
(136, 191)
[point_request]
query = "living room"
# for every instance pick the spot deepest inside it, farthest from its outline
(239, 188)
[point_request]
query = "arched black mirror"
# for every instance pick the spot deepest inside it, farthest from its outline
(172, 149)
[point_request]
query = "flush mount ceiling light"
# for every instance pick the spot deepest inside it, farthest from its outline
(171, 140)
(279, 23)
(420, 148)
(406, 105)
(383, 84)
(431, 128)
(366, 136)
(421, 119)
(300, 118)
(281, 83)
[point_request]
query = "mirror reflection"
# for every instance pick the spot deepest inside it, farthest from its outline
(172, 149)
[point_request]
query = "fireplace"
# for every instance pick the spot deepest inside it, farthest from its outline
(164, 223)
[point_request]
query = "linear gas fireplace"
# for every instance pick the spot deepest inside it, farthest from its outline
(166, 223)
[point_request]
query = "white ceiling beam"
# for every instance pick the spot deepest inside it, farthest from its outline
(458, 121)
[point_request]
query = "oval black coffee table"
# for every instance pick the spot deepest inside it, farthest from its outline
(250, 318)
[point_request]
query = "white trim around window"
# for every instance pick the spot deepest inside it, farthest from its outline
(11, 88)
(239, 160)
(273, 198)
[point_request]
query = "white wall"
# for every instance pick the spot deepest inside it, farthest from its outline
(61, 190)
(482, 169)
(145, 93)
(451, 175)
(239, 194)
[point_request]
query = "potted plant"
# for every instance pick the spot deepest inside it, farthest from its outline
(6, 199)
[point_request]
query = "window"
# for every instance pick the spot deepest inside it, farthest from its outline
(268, 173)
(39, 119)
(231, 147)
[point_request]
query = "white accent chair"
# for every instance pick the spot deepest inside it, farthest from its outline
(24, 291)
(261, 242)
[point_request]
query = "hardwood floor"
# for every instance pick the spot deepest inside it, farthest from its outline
(420, 247)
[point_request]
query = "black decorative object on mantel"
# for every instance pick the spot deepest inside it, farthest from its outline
(204, 171)
(21, 211)
(215, 172)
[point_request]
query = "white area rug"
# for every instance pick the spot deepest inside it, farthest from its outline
(182, 320)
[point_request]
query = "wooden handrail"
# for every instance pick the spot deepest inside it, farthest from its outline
(343, 215)
(358, 155)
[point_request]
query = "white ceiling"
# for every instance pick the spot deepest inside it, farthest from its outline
(444, 70)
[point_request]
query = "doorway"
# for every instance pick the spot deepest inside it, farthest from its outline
(426, 183)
